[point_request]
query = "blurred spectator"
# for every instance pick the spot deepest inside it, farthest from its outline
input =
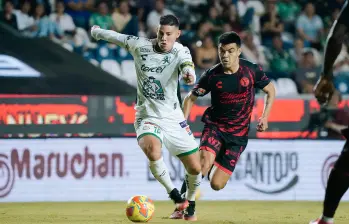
(124, 22)
(271, 24)
(76, 35)
(154, 17)
(308, 73)
(252, 52)
(7, 16)
(144, 7)
(24, 21)
(310, 27)
(215, 21)
(45, 27)
(340, 117)
(102, 18)
(206, 55)
(280, 60)
(288, 11)
(203, 30)
(195, 2)
(231, 16)
(80, 10)
(297, 50)
(251, 11)
(64, 21)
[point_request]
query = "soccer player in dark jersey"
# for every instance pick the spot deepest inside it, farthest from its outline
(338, 181)
(232, 85)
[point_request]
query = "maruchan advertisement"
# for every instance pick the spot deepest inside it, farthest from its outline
(99, 170)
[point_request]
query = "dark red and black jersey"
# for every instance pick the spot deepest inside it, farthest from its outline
(232, 97)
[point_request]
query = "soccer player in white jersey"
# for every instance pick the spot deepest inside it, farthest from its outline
(159, 64)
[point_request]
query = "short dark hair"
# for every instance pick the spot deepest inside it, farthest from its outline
(230, 38)
(169, 20)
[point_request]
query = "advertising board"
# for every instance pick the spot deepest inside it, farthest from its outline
(115, 169)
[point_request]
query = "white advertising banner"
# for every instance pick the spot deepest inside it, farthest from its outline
(116, 169)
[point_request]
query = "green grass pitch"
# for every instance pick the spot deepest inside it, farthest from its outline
(233, 212)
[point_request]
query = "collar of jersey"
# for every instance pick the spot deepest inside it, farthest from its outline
(159, 52)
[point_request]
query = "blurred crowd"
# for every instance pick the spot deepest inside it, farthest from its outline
(286, 37)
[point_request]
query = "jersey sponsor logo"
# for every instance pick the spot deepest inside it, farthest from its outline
(158, 69)
(144, 50)
(144, 57)
(188, 130)
(130, 37)
(146, 128)
(183, 124)
(227, 98)
(268, 172)
(219, 85)
(152, 89)
(244, 81)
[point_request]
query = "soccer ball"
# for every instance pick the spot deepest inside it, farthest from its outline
(140, 208)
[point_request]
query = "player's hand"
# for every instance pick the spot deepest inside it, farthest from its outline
(323, 90)
(262, 124)
(94, 34)
(189, 79)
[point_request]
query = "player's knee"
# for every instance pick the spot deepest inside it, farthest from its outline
(206, 159)
(205, 168)
(217, 185)
(194, 169)
(150, 149)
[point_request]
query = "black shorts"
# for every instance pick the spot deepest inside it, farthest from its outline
(227, 152)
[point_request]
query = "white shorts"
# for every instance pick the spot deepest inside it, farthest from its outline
(174, 133)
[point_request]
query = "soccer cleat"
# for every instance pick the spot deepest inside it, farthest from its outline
(181, 203)
(189, 213)
(319, 221)
(177, 214)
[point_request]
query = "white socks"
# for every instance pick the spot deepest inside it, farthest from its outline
(326, 219)
(159, 170)
(193, 183)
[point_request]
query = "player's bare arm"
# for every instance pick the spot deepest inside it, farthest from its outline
(324, 88)
(108, 35)
(188, 103)
(270, 96)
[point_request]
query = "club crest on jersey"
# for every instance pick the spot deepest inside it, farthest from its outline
(200, 92)
(244, 81)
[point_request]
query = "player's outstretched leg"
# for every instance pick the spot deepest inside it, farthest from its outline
(337, 185)
(151, 146)
(193, 175)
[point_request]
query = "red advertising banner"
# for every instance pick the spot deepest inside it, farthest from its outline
(89, 116)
